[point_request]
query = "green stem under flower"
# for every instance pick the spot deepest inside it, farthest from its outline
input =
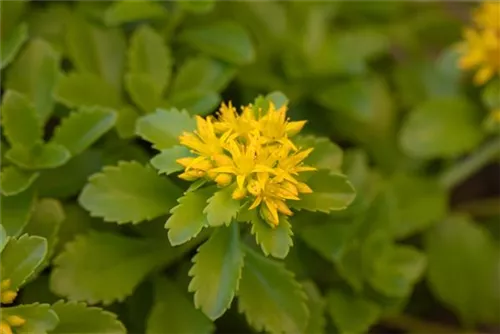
(465, 168)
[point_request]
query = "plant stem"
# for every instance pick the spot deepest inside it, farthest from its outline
(465, 168)
(414, 325)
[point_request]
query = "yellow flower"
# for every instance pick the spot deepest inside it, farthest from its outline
(273, 195)
(275, 127)
(230, 121)
(7, 296)
(253, 152)
(481, 47)
(9, 322)
(5, 328)
(488, 15)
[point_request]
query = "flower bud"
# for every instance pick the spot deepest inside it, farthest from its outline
(223, 179)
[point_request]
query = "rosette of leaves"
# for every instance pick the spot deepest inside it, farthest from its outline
(227, 264)
(22, 258)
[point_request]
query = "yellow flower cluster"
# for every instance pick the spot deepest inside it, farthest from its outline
(251, 151)
(8, 297)
(481, 48)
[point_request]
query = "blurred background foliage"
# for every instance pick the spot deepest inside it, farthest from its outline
(418, 249)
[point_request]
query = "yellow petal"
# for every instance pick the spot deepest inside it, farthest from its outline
(269, 213)
(240, 180)
(283, 208)
(8, 297)
(223, 179)
(184, 162)
(5, 328)
(5, 284)
(239, 193)
(293, 128)
(483, 75)
(254, 187)
(192, 175)
(15, 321)
(255, 203)
(303, 188)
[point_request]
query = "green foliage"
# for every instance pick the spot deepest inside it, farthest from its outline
(128, 193)
(40, 318)
(97, 267)
(96, 94)
(459, 248)
(173, 309)
(270, 297)
(187, 217)
(216, 271)
(78, 316)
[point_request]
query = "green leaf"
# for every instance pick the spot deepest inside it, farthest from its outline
(413, 204)
(352, 313)
(97, 50)
(165, 160)
(197, 7)
(330, 239)
(125, 124)
(48, 215)
(326, 155)
(316, 306)
(463, 269)
(491, 95)
(11, 45)
(397, 270)
(197, 102)
(21, 257)
(331, 192)
(128, 193)
(347, 52)
(172, 310)
(222, 208)
(79, 318)
(270, 297)
(35, 73)
(188, 218)
(40, 156)
(14, 180)
(4, 238)
(224, 40)
(81, 129)
(130, 11)
(164, 127)
(143, 91)
(40, 319)
(20, 122)
(86, 89)
(69, 179)
(49, 23)
(203, 73)
(105, 267)
(216, 271)
(445, 127)
(16, 211)
(149, 56)
(272, 240)
(278, 99)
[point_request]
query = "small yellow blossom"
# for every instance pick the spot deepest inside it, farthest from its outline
(9, 322)
(5, 328)
(481, 47)
(488, 15)
(7, 296)
(253, 151)
(15, 320)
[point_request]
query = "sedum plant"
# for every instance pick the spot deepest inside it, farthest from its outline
(353, 191)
